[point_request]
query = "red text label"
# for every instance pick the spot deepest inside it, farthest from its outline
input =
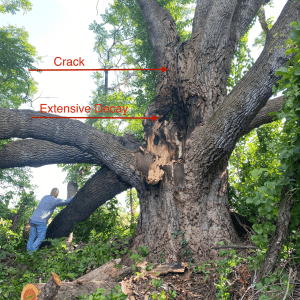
(58, 61)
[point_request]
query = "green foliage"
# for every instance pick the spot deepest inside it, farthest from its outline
(261, 39)
(16, 87)
(13, 6)
(275, 286)
(156, 283)
(13, 184)
(104, 223)
(254, 163)
(115, 293)
(223, 268)
(16, 57)
(267, 160)
(79, 173)
(135, 200)
(25, 268)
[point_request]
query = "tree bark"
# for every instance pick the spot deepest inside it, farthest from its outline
(37, 153)
(104, 147)
(51, 288)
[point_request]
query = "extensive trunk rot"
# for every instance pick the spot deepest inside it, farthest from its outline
(180, 172)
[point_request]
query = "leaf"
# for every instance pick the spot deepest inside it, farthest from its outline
(295, 34)
(264, 297)
(282, 70)
(257, 172)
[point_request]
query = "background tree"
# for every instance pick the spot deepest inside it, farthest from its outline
(16, 87)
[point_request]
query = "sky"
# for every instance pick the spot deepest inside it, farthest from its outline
(60, 28)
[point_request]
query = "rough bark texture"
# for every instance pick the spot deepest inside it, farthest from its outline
(51, 288)
(180, 174)
(36, 153)
(72, 189)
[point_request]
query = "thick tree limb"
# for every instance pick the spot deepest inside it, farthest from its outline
(202, 10)
(243, 16)
(212, 15)
(217, 29)
(36, 153)
(218, 137)
(161, 28)
(263, 116)
(103, 186)
(103, 147)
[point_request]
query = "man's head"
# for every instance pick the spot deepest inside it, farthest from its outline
(54, 192)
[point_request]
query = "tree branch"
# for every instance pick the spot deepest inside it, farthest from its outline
(103, 147)
(37, 153)
(243, 16)
(103, 186)
(161, 28)
(263, 116)
(262, 20)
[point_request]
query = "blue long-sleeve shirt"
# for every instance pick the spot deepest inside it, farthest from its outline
(46, 208)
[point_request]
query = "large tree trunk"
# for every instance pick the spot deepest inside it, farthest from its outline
(183, 206)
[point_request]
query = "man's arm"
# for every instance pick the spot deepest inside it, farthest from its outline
(60, 202)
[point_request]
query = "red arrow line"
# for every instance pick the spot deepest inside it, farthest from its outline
(162, 69)
(153, 118)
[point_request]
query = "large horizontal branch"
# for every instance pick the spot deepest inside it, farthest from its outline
(37, 153)
(263, 116)
(103, 147)
(103, 186)
(161, 28)
(218, 137)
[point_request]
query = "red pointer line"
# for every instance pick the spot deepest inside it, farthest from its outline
(163, 69)
(153, 118)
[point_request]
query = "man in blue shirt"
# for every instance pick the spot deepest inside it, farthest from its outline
(40, 217)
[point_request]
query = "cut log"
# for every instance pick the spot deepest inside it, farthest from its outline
(31, 290)
(105, 277)
(42, 291)
(51, 288)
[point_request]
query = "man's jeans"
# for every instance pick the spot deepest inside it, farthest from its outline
(37, 235)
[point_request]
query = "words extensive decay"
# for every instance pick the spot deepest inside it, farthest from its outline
(44, 108)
